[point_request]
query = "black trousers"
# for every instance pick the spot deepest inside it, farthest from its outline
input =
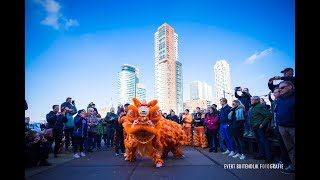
(212, 135)
(57, 135)
(68, 133)
(119, 142)
(78, 143)
(110, 136)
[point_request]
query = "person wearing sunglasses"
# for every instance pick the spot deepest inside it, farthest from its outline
(287, 76)
(285, 114)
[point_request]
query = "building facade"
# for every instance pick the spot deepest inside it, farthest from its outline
(179, 82)
(141, 92)
(193, 104)
(200, 90)
(127, 80)
(168, 71)
(222, 82)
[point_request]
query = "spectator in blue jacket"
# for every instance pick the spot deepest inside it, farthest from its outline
(284, 157)
(245, 100)
(80, 132)
(225, 127)
(285, 114)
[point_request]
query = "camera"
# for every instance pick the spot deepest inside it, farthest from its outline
(237, 88)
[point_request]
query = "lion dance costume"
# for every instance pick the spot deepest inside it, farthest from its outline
(187, 121)
(151, 135)
(199, 136)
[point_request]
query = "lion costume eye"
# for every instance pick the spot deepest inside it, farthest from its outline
(132, 113)
(154, 114)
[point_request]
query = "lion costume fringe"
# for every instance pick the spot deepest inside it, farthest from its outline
(151, 135)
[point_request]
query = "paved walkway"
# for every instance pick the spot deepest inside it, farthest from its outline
(199, 163)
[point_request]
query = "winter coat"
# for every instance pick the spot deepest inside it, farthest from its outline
(223, 114)
(259, 114)
(244, 98)
(69, 115)
(80, 126)
(237, 119)
(110, 119)
(285, 110)
(212, 121)
(55, 121)
(92, 123)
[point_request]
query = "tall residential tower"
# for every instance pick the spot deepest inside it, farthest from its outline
(128, 78)
(200, 90)
(222, 82)
(168, 70)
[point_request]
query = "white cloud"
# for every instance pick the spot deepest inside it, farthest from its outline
(71, 22)
(258, 55)
(54, 17)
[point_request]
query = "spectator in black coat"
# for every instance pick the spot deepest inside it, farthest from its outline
(287, 76)
(55, 120)
(173, 117)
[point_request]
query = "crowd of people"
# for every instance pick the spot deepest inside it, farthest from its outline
(221, 129)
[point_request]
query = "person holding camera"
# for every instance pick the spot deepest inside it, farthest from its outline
(245, 100)
(287, 76)
(36, 150)
(55, 121)
(69, 125)
(92, 105)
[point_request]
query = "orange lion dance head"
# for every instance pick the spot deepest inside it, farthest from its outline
(143, 119)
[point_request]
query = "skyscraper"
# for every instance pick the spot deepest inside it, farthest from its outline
(128, 78)
(222, 82)
(141, 92)
(179, 81)
(200, 90)
(168, 71)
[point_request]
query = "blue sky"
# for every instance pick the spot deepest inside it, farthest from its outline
(76, 48)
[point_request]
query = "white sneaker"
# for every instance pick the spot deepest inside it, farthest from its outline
(76, 155)
(237, 155)
(82, 154)
(226, 152)
(242, 157)
(231, 153)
